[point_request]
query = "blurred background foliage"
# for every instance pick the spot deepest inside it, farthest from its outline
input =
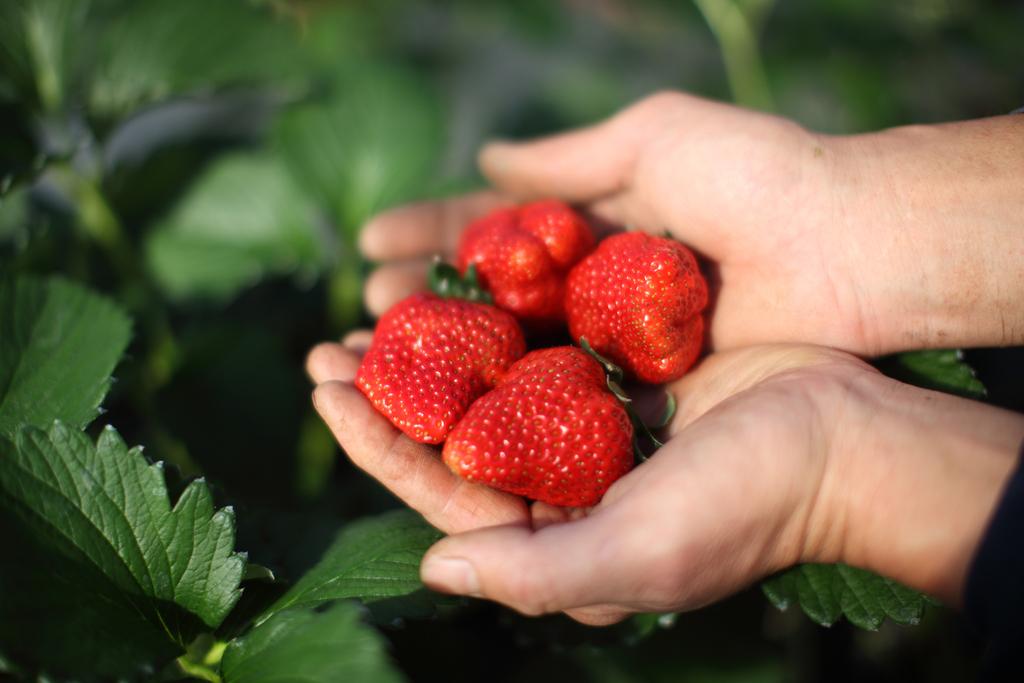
(209, 164)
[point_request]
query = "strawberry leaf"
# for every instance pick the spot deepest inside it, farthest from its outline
(306, 645)
(371, 143)
(373, 560)
(641, 430)
(245, 219)
(118, 580)
(446, 282)
(942, 370)
(139, 57)
(827, 592)
(58, 345)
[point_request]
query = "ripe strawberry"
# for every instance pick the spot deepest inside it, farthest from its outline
(430, 358)
(550, 430)
(637, 299)
(523, 254)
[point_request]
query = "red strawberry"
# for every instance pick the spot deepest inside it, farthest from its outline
(637, 299)
(430, 358)
(523, 254)
(550, 430)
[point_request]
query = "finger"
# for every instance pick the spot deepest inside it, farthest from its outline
(330, 361)
(545, 514)
(358, 341)
(389, 284)
(411, 470)
(579, 166)
(560, 567)
(424, 229)
(586, 164)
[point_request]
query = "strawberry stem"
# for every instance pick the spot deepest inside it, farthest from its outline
(669, 412)
(446, 282)
(613, 375)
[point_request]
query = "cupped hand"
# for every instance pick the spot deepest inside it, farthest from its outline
(758, 196)
(743, 487)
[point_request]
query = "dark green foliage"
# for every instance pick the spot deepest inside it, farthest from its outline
(182, 184)
(307, 645)
(828, 592)
(374, 559)
(58, 348)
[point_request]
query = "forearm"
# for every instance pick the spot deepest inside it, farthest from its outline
(932, 217)
(919, 481)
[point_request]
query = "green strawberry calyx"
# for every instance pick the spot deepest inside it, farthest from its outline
(641, 430)
(447, 282)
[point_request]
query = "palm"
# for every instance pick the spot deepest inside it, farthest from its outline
(748, 192)
(733, 476)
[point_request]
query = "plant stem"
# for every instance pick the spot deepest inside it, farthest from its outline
(97, 220)
(737, 36)
(215, 654)
(345, 292)
(198, 670)
(200, 665)
(46, 50)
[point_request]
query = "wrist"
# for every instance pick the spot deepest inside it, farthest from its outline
(929, 220)
(922, 473)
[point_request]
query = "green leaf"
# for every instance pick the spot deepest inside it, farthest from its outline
(817, 590)
(68, 619)
(133, 574)
(314, 647)
(374, 143)
(943, 370)
(643, 625)
(159, 48)
(58, 345)
(372, 559)
(245, 219)
(38, 45)
(780, 589)
(827, 592)
(14, 214)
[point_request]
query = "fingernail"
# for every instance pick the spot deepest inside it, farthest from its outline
(450, 575)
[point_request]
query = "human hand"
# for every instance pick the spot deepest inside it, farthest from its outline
(726, 500)
(733, 495)
(853, 242)
(777, 455)
(766, 202)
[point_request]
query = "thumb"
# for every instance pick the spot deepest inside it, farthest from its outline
(559, 567)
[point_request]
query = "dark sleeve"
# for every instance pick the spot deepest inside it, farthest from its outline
(994, 596)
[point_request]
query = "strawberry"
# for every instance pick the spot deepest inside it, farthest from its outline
(550, 430)
(523, 254)
(637, 299)
(431, 357)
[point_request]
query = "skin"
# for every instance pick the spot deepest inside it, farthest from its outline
(903, 239)
(780, 453)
